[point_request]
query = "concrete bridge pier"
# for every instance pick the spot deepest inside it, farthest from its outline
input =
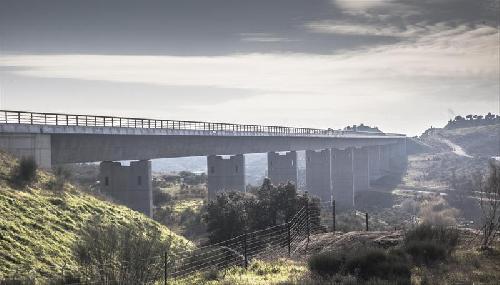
(403, 155)
(225, 174)
(129, 185)
(361, 170)
(282, 168)
(318, 172)
(342, 177)
(397, 157)
(385, 168)
(374, 163)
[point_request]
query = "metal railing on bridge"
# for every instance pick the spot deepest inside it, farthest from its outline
(58, 119)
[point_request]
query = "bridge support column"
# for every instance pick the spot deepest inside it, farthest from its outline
(374, 161)
(282, 169)
(318, 180)
(361, 170)
(384, 160)
(397, 157)
(225, 174)
(342, 177)
(129, 185)
(37, 146)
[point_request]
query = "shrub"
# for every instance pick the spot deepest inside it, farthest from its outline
(366, 263)
(325, 264)
(61, 176)
(120, 254)
(25, 172)
(160, 197)
(372, 263)
(427, 244)
(426, 251)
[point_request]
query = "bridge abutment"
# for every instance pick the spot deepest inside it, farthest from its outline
(225, 174)
(318, 173)
(129, 185)
(282, 168)
(37, 146)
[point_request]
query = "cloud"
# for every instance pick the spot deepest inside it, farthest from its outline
(361, 4)
(346, 28)
(444, 67)
(262, 38)
(444, 52)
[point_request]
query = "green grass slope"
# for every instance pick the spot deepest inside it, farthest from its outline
(38, 226)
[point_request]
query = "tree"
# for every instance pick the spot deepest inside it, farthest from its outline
(226, 216)
(231, 213)
(489, 200)
(469, 117)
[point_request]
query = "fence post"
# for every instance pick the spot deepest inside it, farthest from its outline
(288, 237)
(18, 117)
(165, 273)
(31, 118)
(245, 249)
(366, 220)
(333, 215)
(308, 218)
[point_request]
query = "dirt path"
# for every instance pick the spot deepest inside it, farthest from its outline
(458, 150)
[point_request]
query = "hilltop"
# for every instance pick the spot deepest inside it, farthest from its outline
(38, 225)
(477, 141)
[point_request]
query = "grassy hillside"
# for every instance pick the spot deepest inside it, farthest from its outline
(38, 226)
(480, 141)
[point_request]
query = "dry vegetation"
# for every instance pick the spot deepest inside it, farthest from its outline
(39, 225)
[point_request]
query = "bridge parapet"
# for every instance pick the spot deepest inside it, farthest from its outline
(72, 123)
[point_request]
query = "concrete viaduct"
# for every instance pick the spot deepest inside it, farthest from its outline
(338, 163)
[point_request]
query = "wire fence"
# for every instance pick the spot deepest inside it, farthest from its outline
(57, 119)
(281, 240)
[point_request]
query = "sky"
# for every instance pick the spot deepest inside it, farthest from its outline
(401, 65)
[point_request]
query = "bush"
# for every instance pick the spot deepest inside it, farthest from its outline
(61, 176)
(160, 197)
(367, 264)
(325, 264)
(427, 244)
(25, 172)
(120, 254)
(376, 263)
(426, 251)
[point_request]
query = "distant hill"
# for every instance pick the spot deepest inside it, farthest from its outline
(38, 226)
(478, 141)
(473, 121)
